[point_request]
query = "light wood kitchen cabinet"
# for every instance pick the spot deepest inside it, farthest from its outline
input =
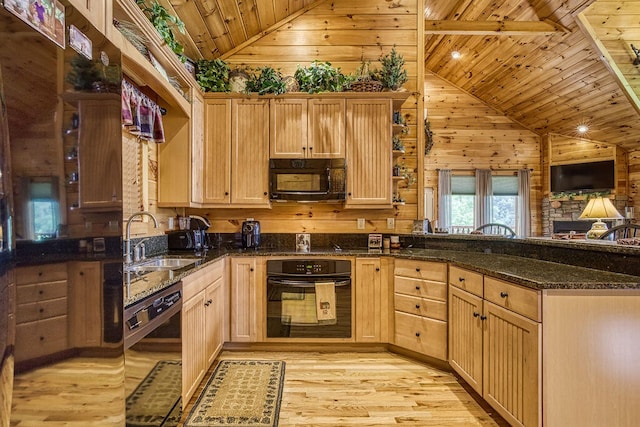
(307, 128)
(99, 148)
(288, 128)
(202, 323)
(41, 322)
(215, 168)
(85, 294)
(98, 12)
(420, 301)
(494, 343)
(247, 298)
(372, 301)
(368, 153)
(250, 153)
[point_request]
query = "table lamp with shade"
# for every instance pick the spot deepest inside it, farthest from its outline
(599, 208)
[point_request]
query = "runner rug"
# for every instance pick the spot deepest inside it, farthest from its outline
(156, 400)
(240, 393)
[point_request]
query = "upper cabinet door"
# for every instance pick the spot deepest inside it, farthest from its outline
(250, 153)
(288, 128)
(216, 157)
(369, 154)
(98, 12)
(326, 128)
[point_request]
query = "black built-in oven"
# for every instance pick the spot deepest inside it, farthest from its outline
(309, 298)
(307, 179)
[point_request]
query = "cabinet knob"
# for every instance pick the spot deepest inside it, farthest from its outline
(504, 294)
(226, 193)
(418, 334)
(39, 273)
(265, 193)
(417, 288)
(251, 269)
(460, 279)
(310, 148)
(82, 273)
(208, 303)
(483, 317)
(476, 314)
(377, 268)
(418, 269)
(42, 310)
(418, 306)
(40, 292)
(41, 338)
(304, 148)
(349, 194)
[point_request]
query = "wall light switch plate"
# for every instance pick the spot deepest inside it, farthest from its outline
(360, 223)
(391, 223)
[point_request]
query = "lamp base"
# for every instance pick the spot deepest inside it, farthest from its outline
(597, 229)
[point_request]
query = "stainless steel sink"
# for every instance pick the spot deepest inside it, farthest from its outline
(164, 263)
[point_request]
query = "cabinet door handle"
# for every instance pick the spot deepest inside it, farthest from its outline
(476, 314)
(208, 303)
(418, 269)
(483, 317)
(417, 288)
(377, 268)
(304, 148)
(226, 193)
(251, 269)
(418, 306)
(418, 334)
(504, 294)
(460, 279)
(265, 193)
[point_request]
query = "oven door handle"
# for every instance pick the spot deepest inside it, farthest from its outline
(306, 283)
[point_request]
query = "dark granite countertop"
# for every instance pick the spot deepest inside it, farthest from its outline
(532, 273)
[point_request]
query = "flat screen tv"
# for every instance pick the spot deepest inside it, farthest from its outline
(583, 177)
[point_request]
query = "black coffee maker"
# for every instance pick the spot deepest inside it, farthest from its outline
(250, 234)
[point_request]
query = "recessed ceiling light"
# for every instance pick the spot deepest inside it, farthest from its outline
(456, 54)
(582, 128)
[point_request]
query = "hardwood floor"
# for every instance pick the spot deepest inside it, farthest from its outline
(367, 389)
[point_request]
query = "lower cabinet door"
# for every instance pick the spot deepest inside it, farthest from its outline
(512, 365)
(214, 313)
(193, 344)
(421, 334)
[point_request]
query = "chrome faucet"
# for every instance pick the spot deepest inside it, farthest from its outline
(127, 240)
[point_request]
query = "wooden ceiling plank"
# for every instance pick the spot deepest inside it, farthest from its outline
(281, 9)
(249, 17)
(339, 38)
(305, 54)
(365, 7)
(266, 13)
(352, 22)
(477, 28)
(628, 90)
(198, 32)
(233, 21)
(271, 29)
(215, 23)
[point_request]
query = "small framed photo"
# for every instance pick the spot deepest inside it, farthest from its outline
(303, 242)
(375, 241)
(80, 42)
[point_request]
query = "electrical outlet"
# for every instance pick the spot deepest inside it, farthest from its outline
(360, 223)
(391, 223)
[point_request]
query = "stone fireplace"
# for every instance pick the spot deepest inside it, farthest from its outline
(565, 212)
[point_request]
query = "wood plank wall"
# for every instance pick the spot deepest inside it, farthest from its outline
(469, 135)
(342, 32)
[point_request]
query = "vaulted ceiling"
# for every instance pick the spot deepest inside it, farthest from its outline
(546, 64)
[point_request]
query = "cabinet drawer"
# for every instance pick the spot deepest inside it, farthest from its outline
(41, 273)
(199, 280)
(41, 292)
(468, 280)
(40, 338)
(420, 334)
(41, 310)
(421, 306)
(436, 271)
(420, 288)
(513, 297)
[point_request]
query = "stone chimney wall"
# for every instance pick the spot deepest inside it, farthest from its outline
(569, 210)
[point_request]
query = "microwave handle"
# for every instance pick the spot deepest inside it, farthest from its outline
(304, 283)
(303, 193)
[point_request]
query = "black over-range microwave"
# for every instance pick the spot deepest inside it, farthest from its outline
(307, 180)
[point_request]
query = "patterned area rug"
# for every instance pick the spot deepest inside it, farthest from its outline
(156, 400)
(240, 393)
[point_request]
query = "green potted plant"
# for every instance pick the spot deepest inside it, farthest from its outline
(320, 77)
(83, 73)
(392, 75)
(164, 23)
(266, 80)
(213, 76)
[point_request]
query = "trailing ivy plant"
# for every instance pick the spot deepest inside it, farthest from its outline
(392, 75)
(266, 80)
(320, 77)
(213, 76)
(164, 23)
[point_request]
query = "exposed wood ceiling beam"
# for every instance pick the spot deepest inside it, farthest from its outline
(483, 28)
